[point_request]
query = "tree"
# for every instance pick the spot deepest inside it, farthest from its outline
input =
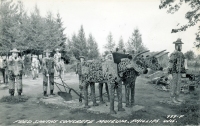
(93, 51)
(110, 43)
(192, 15)
(79, 45)
(189, 55)
(82, 42)
(9, 25)
(62, 37)
(121, 44)
(135, 42)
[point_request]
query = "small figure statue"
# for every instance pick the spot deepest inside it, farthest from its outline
(48, 73)
(175, 70)
(15, 70)
(35, 65)
(27, 64)
(58, 63)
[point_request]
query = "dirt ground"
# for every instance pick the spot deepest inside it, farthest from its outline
(34, 111)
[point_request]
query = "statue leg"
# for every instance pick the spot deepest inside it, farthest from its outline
(173, 88)
(85, 89)
(112, 97)
(19, 83)
(3, 73)
(100, 93)
(127, 92)
(45, 84)
(92, 87)
(132, 92)
(119, 95)
(107, 90)
(11, 83)
(178, 88)
(51, 82)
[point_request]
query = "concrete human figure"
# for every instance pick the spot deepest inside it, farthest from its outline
(48, 64)
(35, 65)
(27, 64)
(15, 70)
(176, 69)
(58, 63)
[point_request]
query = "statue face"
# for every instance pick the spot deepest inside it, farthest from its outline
(178, 47)
(15, 54)
(47, 54)
(82, 59)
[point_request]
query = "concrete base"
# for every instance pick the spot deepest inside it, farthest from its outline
(102, 108)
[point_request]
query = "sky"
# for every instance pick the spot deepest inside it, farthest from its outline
(120, 17)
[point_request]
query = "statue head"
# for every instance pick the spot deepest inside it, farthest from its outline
(15, 53)
(178, 44)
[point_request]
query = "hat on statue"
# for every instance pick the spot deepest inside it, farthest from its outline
(15, 50)
(178, 41)
(81, 57)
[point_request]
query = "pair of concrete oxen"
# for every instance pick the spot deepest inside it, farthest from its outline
(116, 67)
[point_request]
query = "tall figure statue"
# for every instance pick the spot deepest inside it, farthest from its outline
(58, 64)
(15, 70)
(175, 69)
(48, 73)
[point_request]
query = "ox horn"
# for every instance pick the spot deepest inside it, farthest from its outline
(163, 54)
(157, 53)
(141, 53)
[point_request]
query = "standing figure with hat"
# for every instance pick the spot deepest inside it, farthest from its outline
(58, 63)
(15, 70)
(48, 73)
(175, 69)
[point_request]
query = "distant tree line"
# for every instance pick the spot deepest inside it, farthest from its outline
(32, 33)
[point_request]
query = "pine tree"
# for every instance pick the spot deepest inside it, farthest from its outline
(135, 42)
(110, 43)
(62, 37)
(121, 44)
(8, 24)
(82, 42)
(93, 51)
(79, 45)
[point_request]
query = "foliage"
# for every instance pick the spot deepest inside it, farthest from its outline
(9, 24)
(189, 55)
(121, 44)
(110, 43)
(192, 15)
(135, 42)
(79, 45)
(32, 32)
(93, 52)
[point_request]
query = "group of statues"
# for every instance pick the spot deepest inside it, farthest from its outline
(15, 66)
(120, 67)
(117, 67)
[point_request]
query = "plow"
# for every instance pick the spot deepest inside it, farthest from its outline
(66, 94)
